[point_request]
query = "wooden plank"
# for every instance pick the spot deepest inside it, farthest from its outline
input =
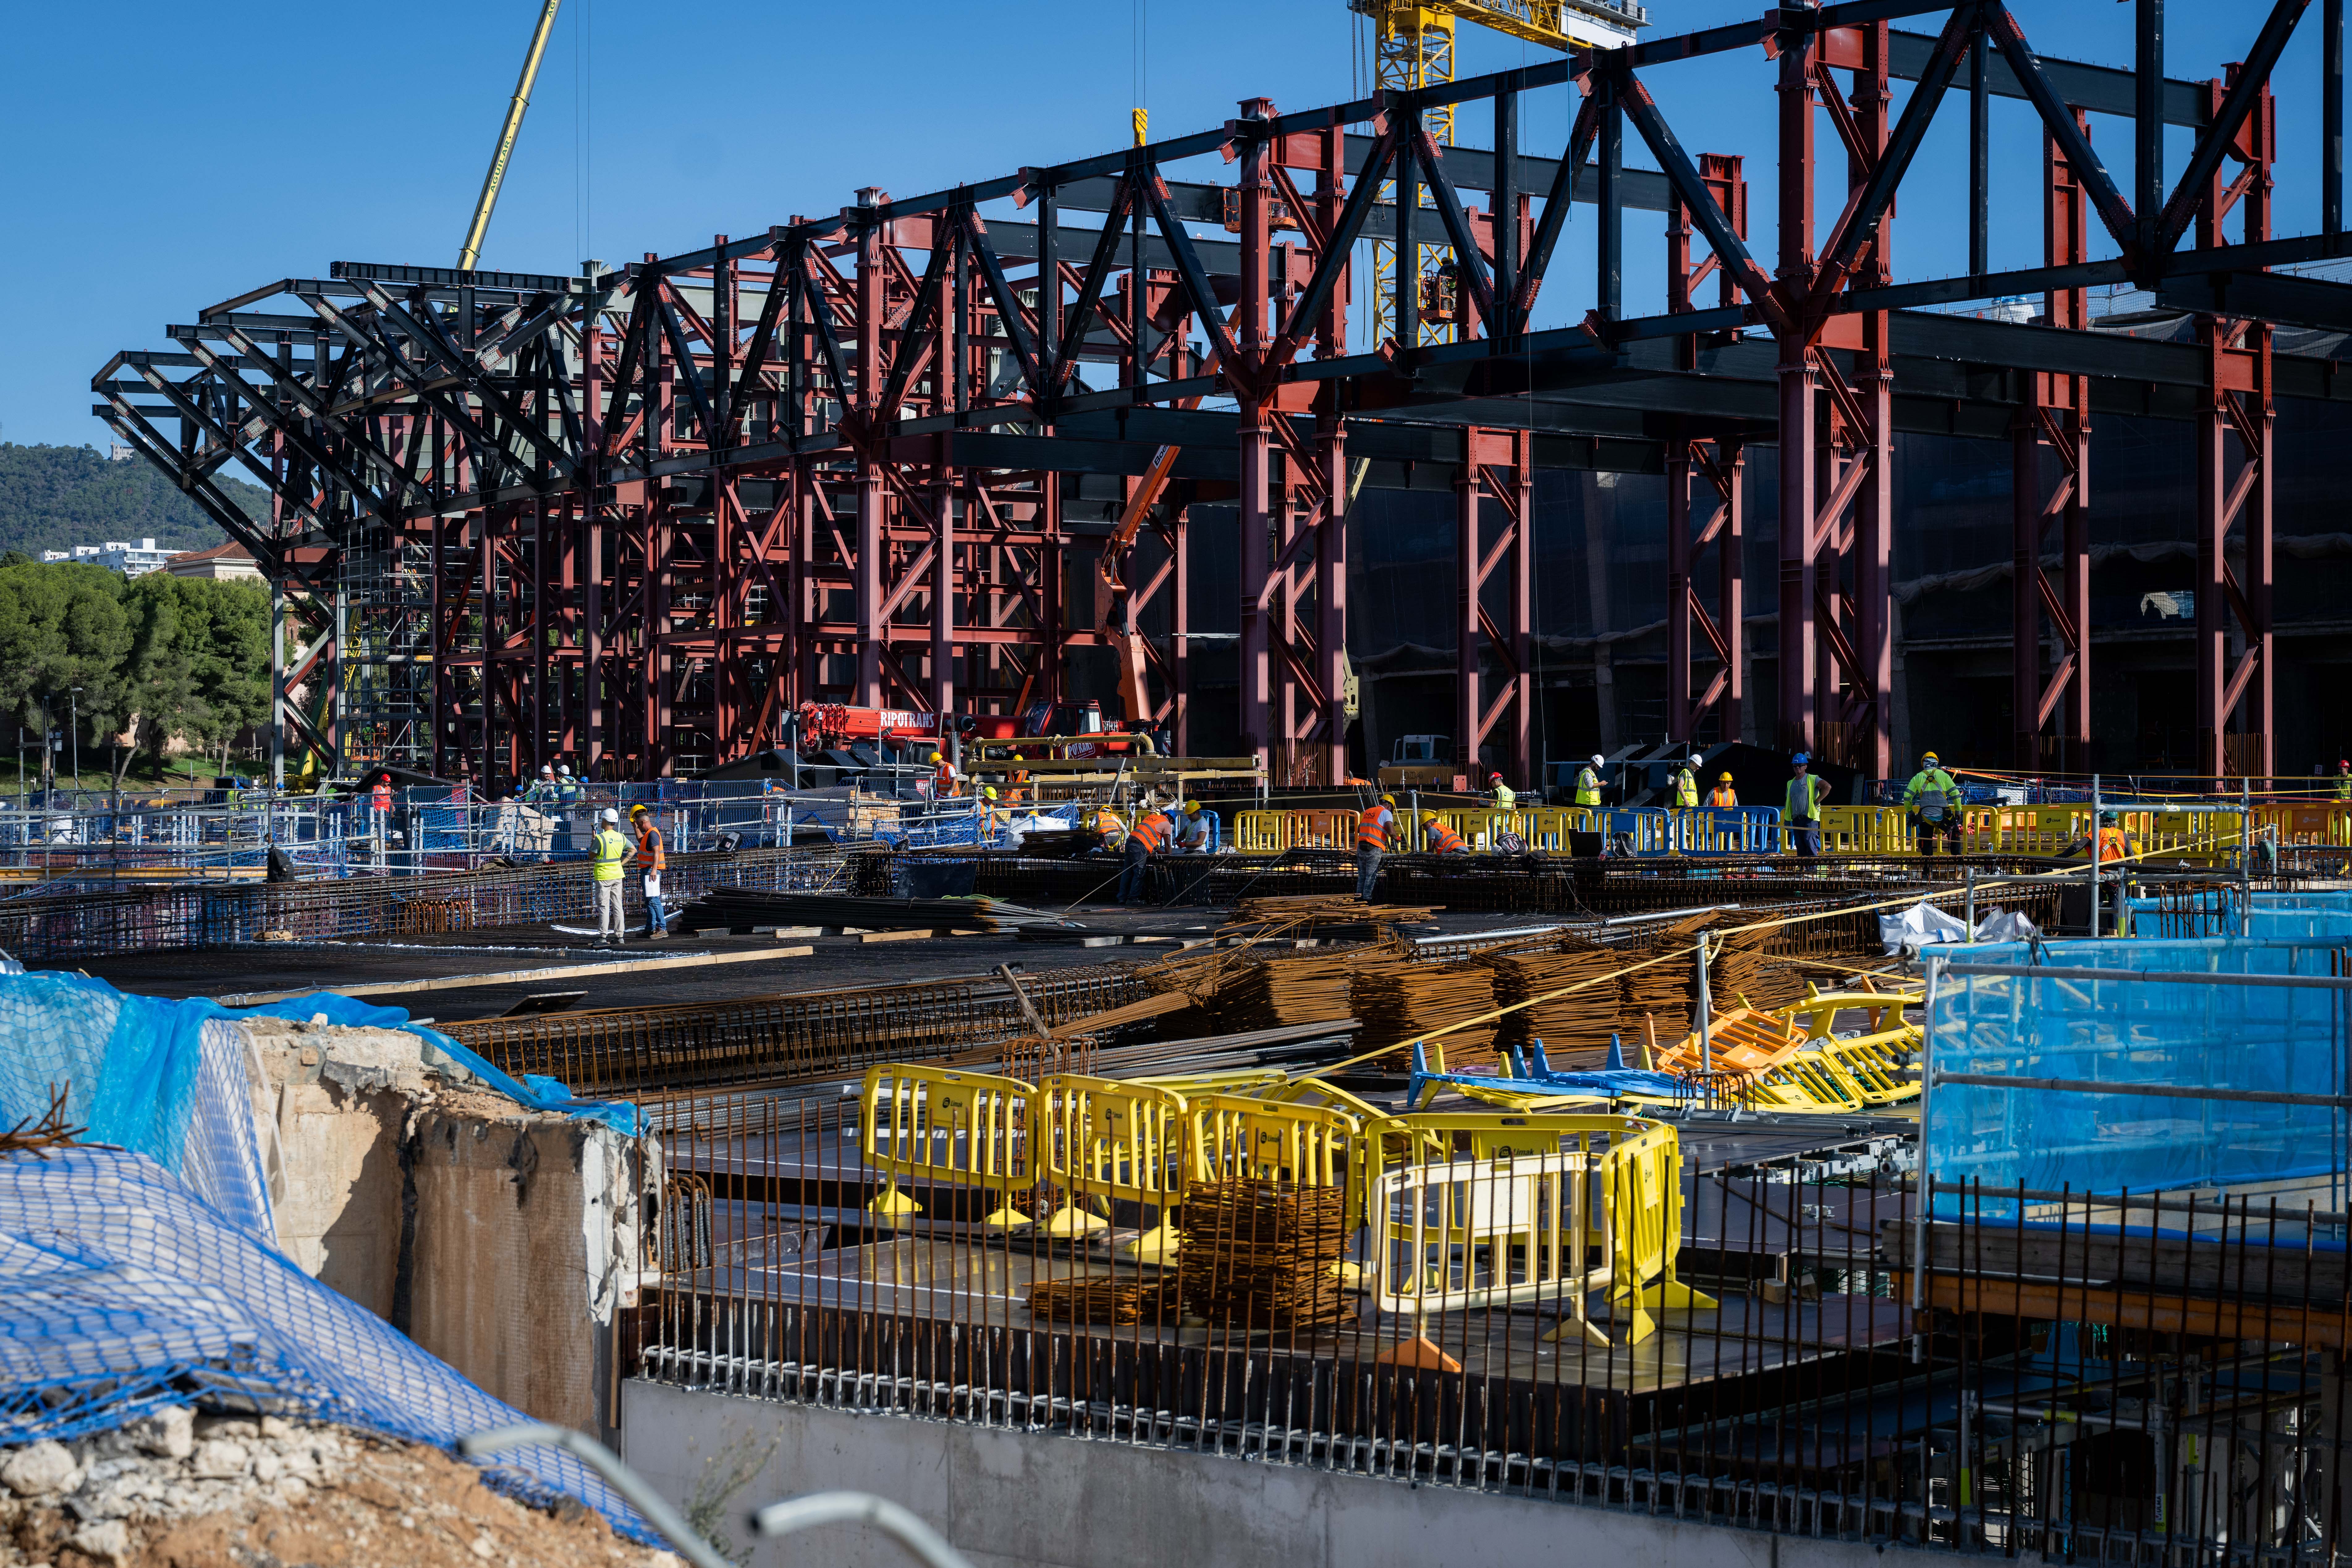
(2207, 1263)
(2134, 1308)
(513, 976)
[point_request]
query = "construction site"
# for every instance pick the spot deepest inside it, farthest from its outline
(1112, 865)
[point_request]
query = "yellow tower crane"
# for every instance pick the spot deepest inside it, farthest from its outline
(1413, 48)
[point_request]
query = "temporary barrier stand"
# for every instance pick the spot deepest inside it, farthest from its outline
(967, 1129)
(1113, 1138)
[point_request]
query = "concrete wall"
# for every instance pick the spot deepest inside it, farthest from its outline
(503, 1271)
(1007, 1498)
(501, 1240)
(339, 1208)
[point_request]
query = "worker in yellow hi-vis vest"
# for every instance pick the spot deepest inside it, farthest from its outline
(1685, 786)
(607, 853)
(1801, 811)
(1588, 783)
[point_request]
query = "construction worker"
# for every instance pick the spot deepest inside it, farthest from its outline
(1723, 796)
(1801, 811)
(1146, 839)
(567, 788)
(1193, 830)
(1933, 799)
(1505, 797)
(2343, 780)
(1110, 829)
(1375, 830)
(943, 778)
(650, 861)
(1436, 839)
(607, 853)
(542, 792)
(1685, 786)
(2115, 847)
(1588, 783)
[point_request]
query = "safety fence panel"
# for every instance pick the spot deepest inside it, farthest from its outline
(1478, 1234)
(967, 1129)
(1736, 830)
(1108, 1139)
(2210, 1036)
(1865, 830)
(1232, 1138)
(1481, 829)
(1272, 831)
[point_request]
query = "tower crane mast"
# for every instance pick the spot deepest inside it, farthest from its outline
(1413, 48)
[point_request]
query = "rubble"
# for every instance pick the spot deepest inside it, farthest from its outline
(176, 1489)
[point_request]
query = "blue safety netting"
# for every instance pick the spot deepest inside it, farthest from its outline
(148, 1074)
(121, 1291)
(2133, 1033)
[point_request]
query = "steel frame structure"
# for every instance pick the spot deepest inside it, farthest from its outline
(868, 456)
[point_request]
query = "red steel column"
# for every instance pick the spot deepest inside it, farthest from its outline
(1523, 618)
(1256, 439)
(2025, 589)
(1872, 630)
(1332, 595)
(1678, 571)
(1731, 587)
(1468, 706)
(866, 572)
(1797, 398)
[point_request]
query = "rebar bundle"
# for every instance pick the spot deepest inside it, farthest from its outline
(1574, 1028)
(1398, 1000)
(1106, 1299)
(1264, 1255)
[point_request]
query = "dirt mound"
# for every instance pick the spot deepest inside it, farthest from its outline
(233, 1492)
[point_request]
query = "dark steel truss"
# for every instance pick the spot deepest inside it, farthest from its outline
(636, 517)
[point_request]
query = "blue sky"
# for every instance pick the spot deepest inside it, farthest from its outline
(162, 157)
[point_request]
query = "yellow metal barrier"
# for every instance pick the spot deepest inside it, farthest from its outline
(1536, 1211)
(969, 1129)
(2327, 824)
(1109, 1139)
(1233, 1137)
(1272, 831)
(1863, 830)
(1468, 1235)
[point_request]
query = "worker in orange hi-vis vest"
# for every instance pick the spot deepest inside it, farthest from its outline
(1375, 830)
(1723, 798)
(1439, 839)
(1144, 840)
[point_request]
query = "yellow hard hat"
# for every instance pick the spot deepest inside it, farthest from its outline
(1193, 806)
(990, 791)
(934, 756)
(1429, 817)
(1931, 759)
(636, 811)
(1725, 779)
(1388, 800)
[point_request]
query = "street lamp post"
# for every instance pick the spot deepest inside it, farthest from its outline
(73, 700)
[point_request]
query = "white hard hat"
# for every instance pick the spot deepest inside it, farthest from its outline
(548, 771)
(1698, 762)
(565, 768)
(611, 816)
(1596, 759)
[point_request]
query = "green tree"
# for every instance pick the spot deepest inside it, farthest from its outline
(196, 663)
(62, 626)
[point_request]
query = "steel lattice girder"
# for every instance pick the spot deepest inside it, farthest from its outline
(647, 537)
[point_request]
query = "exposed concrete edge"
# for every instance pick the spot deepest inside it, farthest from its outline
(1008, 1497)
